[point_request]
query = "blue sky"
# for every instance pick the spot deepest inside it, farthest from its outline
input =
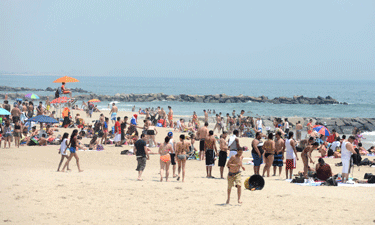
(244, 39)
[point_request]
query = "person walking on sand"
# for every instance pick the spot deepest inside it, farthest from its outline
(141, 153)
(223, 154)
(172, 153)
(306, 155)
(291, 155)
(234, 176)
(62, 150)
(113, 112)
(211, 151)
(202, 135)
(257, 152)
(170, 117)
(269, 151)
(73, 144)
(181, 153)
(279, 154)
(165, 158)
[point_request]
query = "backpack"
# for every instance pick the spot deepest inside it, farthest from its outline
(356, 158)
(371, 179)
(57, 93)
(330, 182)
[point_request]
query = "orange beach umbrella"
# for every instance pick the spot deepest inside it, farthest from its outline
(94, 100)
(66, 79)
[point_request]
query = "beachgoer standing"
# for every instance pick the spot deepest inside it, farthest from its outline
(218, 123)
(140, 150)
(286, 126)
(181, 153)
(347, 150)
(202, 135)
(17, 133)
(172, 153)
(291, 155)
(269, 151)
(123, 127)
(234, 176)
(73, 147)
(260, 125)
(170, 117)
(205, 116)
(279, 154)
(210, 149)
(105, 131)
(62, 150)
(299, 130)
(117, 139)
(40, 109)
(165, 158)
(16, 113)
(257, 152)
(223, 154)
(233, 144)
(113, 112)
(309, 127)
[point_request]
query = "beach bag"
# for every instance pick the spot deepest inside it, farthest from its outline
(99, 147)
(330, 182)
(357, 158)
(298, 180)
(371, 179)
(368, 175)
(365, 162)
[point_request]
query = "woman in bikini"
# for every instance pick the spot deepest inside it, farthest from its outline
(305, 155)
(17, 133)
(105, 130)
(269, 151)
(72, 146)
(165, 158)
(181, 150)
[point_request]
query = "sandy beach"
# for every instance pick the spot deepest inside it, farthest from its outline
(107, 192)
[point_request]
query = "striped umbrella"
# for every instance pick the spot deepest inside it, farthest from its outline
(66, 79)
(94, 100)
(32, 96)
(322, 130)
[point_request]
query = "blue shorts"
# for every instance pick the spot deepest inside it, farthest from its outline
(113, 116)
(256, 159)
(72, 149)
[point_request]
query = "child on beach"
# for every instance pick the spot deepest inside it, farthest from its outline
(62, 150)
(234, 176)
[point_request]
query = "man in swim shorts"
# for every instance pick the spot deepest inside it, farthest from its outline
(234, 176)
(210, 147)
(140, 151)
(279, 154)
(172, 153)
(298, 130)
(113, 112)
(223, 154)
(201, 135)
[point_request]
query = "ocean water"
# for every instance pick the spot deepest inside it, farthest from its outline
(359, 94)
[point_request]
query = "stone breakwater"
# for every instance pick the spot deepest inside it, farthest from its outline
(49, 89)
(218, 98)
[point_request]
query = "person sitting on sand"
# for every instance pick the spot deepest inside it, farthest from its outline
(306, 155)
(234, 176)
(323, 170)
(371, 150)
(43, 140)
(65, 91)
(323, 149)
(362, 150)
(165, 158)
(94, 143)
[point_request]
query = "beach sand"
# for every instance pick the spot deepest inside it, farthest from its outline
(32, 192)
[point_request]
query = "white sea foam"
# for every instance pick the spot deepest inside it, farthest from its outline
(372, 133)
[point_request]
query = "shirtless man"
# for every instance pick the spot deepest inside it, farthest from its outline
(309, 127)
(240, 117)
(218, 123)
(279, 154)
(205, 116)
(24, 107)
(113, 112)
(202, 134)
(16, 113)
(210, 147)
(223, 154)
(163, 114)
(234, 113)
(170, 117)
(298, 130)
(101, 119)
(234, 176)
(159, 113)
(40, 109)
(48, 104)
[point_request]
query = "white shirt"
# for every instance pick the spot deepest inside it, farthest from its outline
(335, 144)
(345, 153)
(286, 125)
(259, 123)
(289, 150)
(171, 142)
(63, 146)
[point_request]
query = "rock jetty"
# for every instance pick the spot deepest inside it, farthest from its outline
(218, 98)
